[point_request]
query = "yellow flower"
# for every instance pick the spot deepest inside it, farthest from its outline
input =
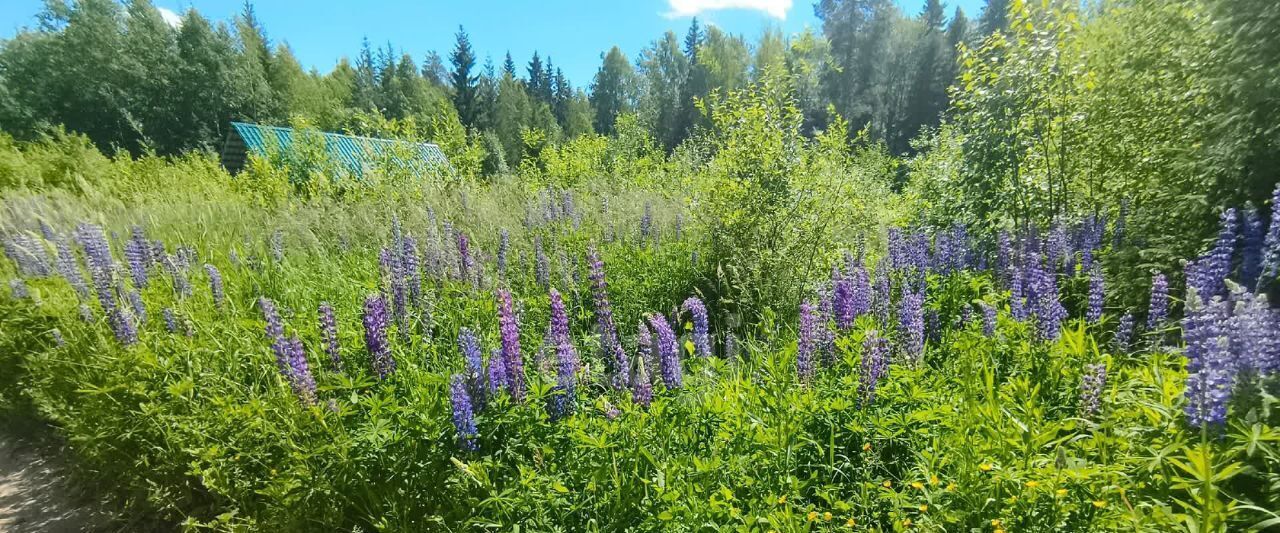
(906, 523)
(813, 515)
(933, 480)
(917, 485)
(849, 523)
(866, 447)
(924, 508)
(998, 531)
(782, 499)
(826, 517)
(1061, 492)
(985, 467)
(887, 483)
(995, 522)
(1099, 504)
(951, 487)
(1033, 484)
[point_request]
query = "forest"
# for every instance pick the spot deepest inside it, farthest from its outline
(1000, 271)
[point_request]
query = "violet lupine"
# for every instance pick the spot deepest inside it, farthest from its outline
(497, 372)
(731, 346)
(1208, 273)
(1056, 247)
(1124, 334)
(139, 308)
(563, 401)
(18, 289)
(512, 361)
(542, 265)
(807, 341)
(464, 419)
(646, 222)
(292, 358)
(274, 326)
(1043, 296)
(1271, 244)
(31, 257)
(1252, 241)
(668, 354)
(181, 285)
(883, 302)
(170, 322)
(1091, 240)
(1018, 307)
(215, 285)
(842, 296)
(874, 366)
(641, 386)
(504, 244)
(466, 263)
(559, 327)
(911, 325)
(701, 327)
(411, 269)
(122, 325)
(69, 268)
(1097, 295)
(329, 336)
(101, 265)
(644, 345)
(611, 349)
(137, 250)
(988, 320)
(1209, 366)
(469, 345)
(375, 336)
(1093, 380)
(1158, 308)
(1254, 330)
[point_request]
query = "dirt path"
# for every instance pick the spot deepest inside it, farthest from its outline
(36, 497)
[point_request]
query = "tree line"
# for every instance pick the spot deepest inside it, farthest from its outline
(124, 77)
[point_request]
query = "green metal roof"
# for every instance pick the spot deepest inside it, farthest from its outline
(351, 151)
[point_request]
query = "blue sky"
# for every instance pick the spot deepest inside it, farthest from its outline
(573, 32)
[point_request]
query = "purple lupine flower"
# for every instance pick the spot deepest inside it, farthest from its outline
(464, 420)
(988, 320)
(1124, 334)
(329, 336)
(1097, 295)
(1251, 250)
(701, 328)
(26, 252)
(139, 309)
(1158, 310)
(842, 295)
(646, 222)
(47, 232)
(932, 326)
(466, 263)
(542, 265)
(101, 265)
(860, 301)
(668, 354)
(1209, 366)
(513, 362)
(274, 327)
(497, 372)
(559, 327)
(898, 256)
(1056, 247)
(611, 351)
(961, 253)
(679, 226)
(295, 369)
(731, 346)
(122, 325)
(911, 325)
(1271, 244)
(641, 386)
(611, 412)
(1018, 307)
(874, 366)
(504, 244)
(137, 251)
(215, 285)
(1043, 296)
(563, 401)
(1092, 382)
(86, 314)
(170, 322)
(375, 336)
(883, 302)
(181, 285)
(1254, 330)
(1090, 240)
(469, 345)
(566, 270)
(18, 289)
(410, 269)
(1208, 273)
(644, 345)
(69, 268)
(807, 341)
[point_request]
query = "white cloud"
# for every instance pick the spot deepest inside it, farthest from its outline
(687, 8)
(170, 18)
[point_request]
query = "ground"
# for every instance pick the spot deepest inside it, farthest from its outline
(36, 495)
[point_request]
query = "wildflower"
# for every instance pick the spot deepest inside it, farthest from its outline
(646, 222)
(1251, 250)
(139, 308)
(668, 354)
(463, 417)
(274, 327)
(866, 446)
(1060, 492)
(933, 480)
(1124, 332)
(1017, 296)
(849, 523)
(1033, 484)
(497, 372)
(911, 325)
(988, 319)
(1158, 309)
(995, 522)
(611, 351)
(1091, 385)
(1096, 295)
(567, 358)
(542, 265)
(924, 508)
(1207, 274)
(887, 484)
(304, 385)
(137, 254)
(504, 244)
(882, 302)
(906, 523)
(611, 411)
(1271, 244)
(701, 329)
(826, 516)
(329, 335)
(812, 516)
(1043, 294)
(985, 467)
(375, 336)
(917, 485)
(277, 245)
(69, 268)
(1099, 503)
(509, 329)
(782, 499)
(170, 323)
(410, 269)
(951, 487)
(1209, 365)
(466, 263)
(215, 285)
(874, 366)
(807, 341)
(18, 289)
